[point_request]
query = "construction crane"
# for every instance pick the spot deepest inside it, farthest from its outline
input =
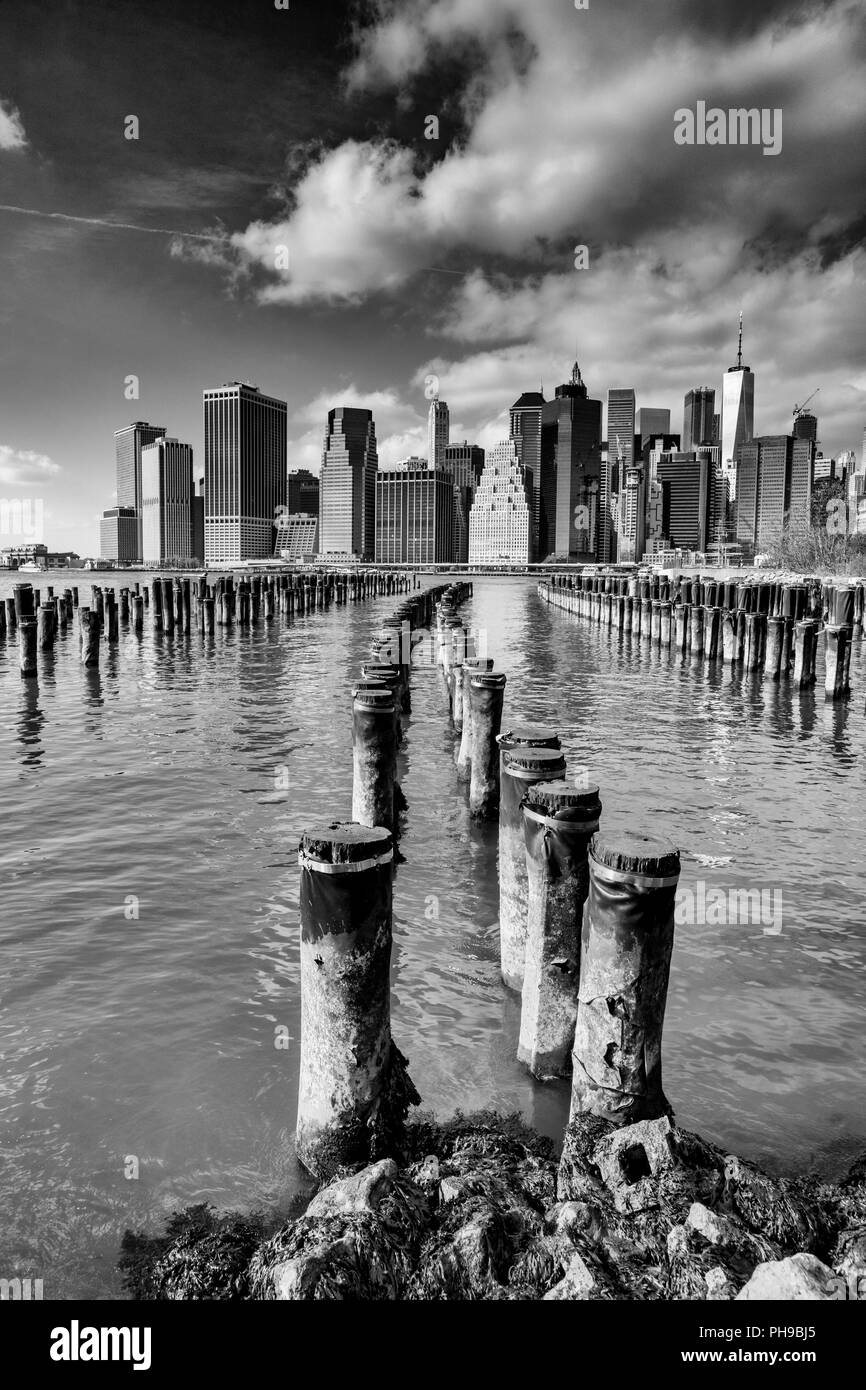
(800, 409)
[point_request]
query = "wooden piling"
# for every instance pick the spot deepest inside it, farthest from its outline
(521, 766)
(471, 665)
(486, 695)
(558, 823)
(89, 630)
(626, 946)
(27, 639)
(374, 752)
(354, 1087)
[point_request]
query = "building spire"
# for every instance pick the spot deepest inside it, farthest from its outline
(740, 344)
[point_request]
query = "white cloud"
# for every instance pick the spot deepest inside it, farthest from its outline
(23, 468)
(12, 135)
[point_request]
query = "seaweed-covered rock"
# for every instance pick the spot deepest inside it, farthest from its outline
(790, 1213)
(800, 1276)
(201, 1256)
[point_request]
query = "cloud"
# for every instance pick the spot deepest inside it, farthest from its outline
(23, 468)
(12, 135)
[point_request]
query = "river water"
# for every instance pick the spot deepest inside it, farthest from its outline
(149, 923)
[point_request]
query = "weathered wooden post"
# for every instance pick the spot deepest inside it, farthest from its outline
(89, 629)
(626, 946)
(773, 655)
(138, 612)
(45, 627)
(471, 665)
(486, 695)
(27, 637)
(124, 605)
(558, 823)
(681, 628)
(168, 605)
(712, 632)
(157, 605)
(110, 616)
(354, 1087)
(11, 615)
(521, 765)
(23, 601)
(696, 635)
(755, 638)
(207, 606)
(374, 744)
(836, 642)
(805, 648)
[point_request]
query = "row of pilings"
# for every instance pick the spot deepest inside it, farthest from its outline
(772, 627)
(181, 603)
(586, 918)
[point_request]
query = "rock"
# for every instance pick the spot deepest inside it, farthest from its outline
(571, 1218)
(630, 1160)
(716, 1229)
(801, 1276)
(849, 1260)
(362, 1191)
(773, 1206)
(352, 1256)
(719, 1286)
(578, 1282)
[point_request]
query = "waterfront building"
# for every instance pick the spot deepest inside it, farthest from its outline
(571, 436)
(738, 413)
(297, 536)
(414, 516)
(438, 428)
(347, 484)
(698, 415)
(500, 520)
(465, 464)
(303, 492)
(168, 504)
(119, 535)
(774, 487)
(244, 470)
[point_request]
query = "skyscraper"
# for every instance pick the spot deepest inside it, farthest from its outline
(414, 516)
(167, 503)
(303, 492)
(620, 423)
(438, 427)
(686, 498)
(128, 444)
(738, 413)
(698, 409)
(347, 484)
(571, 438)
(525, 425)
(775, 473)
(465, 464)
(805, 425)
(500, 522)
(245, 471)
(652, 421)
(118, 535)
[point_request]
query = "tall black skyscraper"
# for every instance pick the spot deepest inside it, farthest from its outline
(526, 426)
(571, 482)
(698, 409)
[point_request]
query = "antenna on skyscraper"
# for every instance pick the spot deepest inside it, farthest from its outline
(740, 344)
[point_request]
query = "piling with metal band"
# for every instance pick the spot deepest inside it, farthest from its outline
(354, 1088)
(390, 676)
(27, 638)
(558, 823)
(45, 627)
(521, 768)
(471, 665)
(374, 743)
(89, 630)
(626, 945)
(486, 695)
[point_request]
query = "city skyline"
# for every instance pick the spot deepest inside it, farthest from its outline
(392, 276)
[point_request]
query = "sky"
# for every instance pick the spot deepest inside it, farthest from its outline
(283, 217)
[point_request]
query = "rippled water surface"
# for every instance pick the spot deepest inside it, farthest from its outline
(161, 780)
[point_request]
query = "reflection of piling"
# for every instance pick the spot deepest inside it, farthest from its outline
(89, 629)
(625, 957)
(27, 637)
(520, 768)
(374, 742)
(558, 821)
(353, 1088)
(486, 695)
(471, 665)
